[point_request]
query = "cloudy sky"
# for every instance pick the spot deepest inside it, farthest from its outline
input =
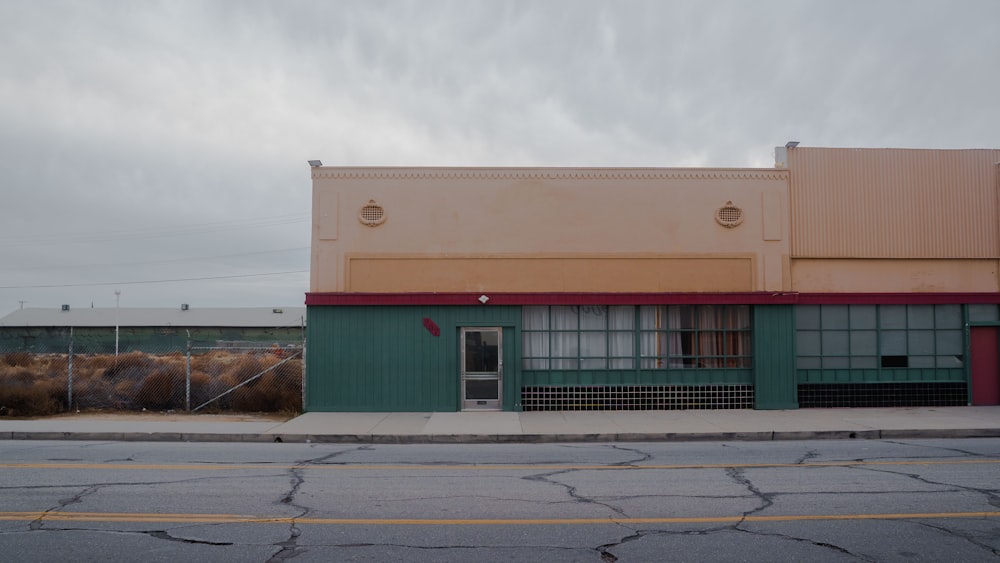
(159, 148)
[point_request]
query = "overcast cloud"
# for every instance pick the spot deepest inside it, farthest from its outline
(159, 148)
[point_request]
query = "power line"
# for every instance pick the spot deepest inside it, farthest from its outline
(140, 282)
(165, 261)
(103, 236)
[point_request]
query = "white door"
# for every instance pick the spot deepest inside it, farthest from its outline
(482, 368)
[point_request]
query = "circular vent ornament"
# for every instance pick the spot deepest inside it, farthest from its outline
(729, 215)
(372, 214)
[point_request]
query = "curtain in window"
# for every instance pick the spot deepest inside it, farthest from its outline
(565, 338)
(722, 336)
(660, 342)
(535, 344)
(593, 336)
(621, 345)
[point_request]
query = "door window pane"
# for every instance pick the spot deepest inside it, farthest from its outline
(481, 352)
(481, 389)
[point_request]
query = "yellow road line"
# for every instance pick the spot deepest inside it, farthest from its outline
(244, 519)
(474, 467)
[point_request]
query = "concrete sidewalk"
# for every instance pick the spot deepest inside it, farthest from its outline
(483, 427)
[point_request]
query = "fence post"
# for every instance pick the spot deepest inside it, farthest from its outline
(187, 377)
(303, 382)
(69, 373)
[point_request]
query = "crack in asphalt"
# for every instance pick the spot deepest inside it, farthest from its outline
(129, 458)
(966, 537)
(289, 548)
(571, 490)
(87, 491)
(811, 454)
(644, 456)
(127, 483)
(992, 497)
(314, 461)
(821, 544)
(604, 550)
(164, 535)
(638, 534)
(158, 534)
(767, 500)
(935, 447)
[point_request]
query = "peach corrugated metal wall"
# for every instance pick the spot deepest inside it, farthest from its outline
(894, 203)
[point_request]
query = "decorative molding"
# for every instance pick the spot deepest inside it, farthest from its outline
(392, 173)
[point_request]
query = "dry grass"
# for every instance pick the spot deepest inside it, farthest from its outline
(37, 384)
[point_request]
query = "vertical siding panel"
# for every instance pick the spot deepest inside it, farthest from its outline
(775, 383)
(894, 203)
(383, 359)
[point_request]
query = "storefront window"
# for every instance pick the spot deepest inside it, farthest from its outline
(669, 337)
(874, 336)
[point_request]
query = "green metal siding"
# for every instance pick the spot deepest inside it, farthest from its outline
(383, 359)
(774, 357)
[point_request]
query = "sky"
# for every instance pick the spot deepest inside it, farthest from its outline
(154, 153)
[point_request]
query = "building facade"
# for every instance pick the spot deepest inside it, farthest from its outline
(840, 277)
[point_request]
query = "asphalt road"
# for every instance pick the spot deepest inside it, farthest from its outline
(930, 500)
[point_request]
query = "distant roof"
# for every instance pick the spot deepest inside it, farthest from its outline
(245, 317)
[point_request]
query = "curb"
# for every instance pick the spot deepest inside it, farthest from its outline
(506, 438)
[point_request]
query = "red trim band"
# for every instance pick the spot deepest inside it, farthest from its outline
(755, 298)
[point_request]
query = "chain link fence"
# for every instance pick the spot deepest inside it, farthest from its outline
(173, 374)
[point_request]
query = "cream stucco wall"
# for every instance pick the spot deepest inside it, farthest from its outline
(894, 220)
(549, 230)
(894, 276)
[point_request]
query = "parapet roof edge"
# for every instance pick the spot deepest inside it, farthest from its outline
(447, 172)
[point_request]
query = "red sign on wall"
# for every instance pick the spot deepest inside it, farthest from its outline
(431, 327)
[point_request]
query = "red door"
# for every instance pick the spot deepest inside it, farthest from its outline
(983, 342)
